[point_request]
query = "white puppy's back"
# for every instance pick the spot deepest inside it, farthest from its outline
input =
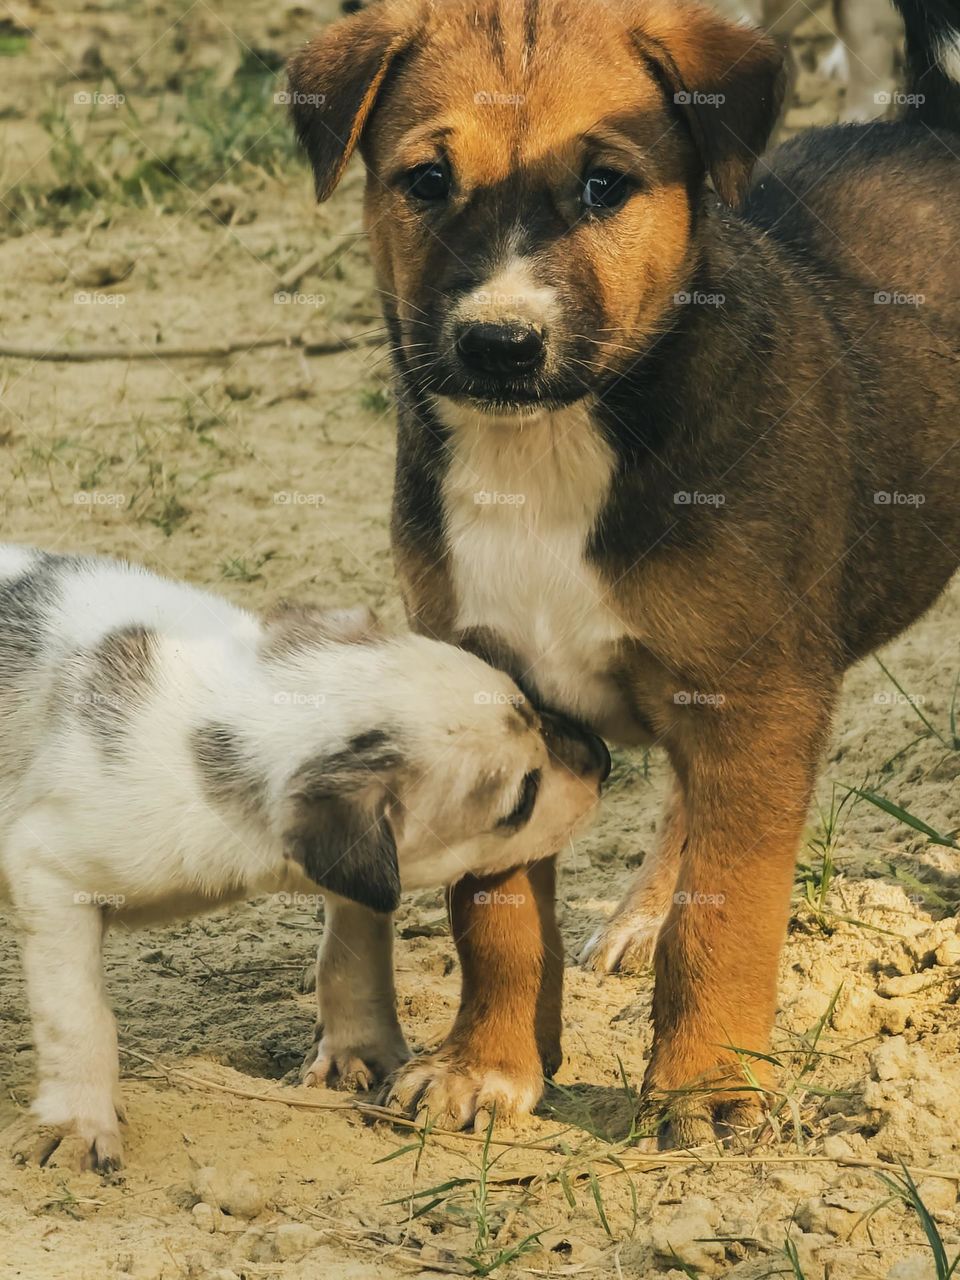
(106, 673)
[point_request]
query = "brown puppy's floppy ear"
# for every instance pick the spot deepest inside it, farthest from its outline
(334, 82)
(337, 826)
(727, 80)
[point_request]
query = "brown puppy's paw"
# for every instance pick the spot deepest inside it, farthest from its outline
(454, 1096)
(694, 1116)
(359, 1068)
(625, 943)
(75, 1148)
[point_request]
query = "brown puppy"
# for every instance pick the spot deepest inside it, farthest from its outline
(673, 466)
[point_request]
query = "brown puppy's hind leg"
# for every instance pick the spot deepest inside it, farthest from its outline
(507, 1030)
(750, 779)
(626, 941)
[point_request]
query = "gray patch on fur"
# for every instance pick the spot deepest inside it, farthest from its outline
(117, 678)
(364, 759)
(290, 628)
(26, 601)
(229, 777)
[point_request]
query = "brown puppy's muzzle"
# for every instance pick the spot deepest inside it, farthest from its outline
(578, 749)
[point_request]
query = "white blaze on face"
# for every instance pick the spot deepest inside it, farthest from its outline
(949, 56)
(510, 294)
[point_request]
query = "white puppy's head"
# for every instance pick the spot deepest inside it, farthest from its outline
(437, 765)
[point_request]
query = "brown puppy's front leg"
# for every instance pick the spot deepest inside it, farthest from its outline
(748, 789)
(507, 1031)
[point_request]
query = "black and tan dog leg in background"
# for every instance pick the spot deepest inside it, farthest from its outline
(627, 940)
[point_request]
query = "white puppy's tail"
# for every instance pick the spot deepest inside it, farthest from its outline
(933, 62)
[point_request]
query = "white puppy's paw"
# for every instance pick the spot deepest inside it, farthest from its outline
(359, 1066)
(455, 1096)
(625, 943)
(79, 1145)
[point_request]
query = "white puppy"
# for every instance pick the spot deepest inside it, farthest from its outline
(163, 752)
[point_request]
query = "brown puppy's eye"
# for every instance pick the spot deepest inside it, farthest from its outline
(524, 806)
(429, 182)
(605, 190)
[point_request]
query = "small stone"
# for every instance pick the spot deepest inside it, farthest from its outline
(895, 956)
(948, 952)
(854, 1011)
(255, 1246)
(894, 1016)
(907, 984)
(891, 1059)
(794, 1181)
(687, 1236)
(938, 1194)
(235, 1191)
(917, 1267)
(206, 1217)
(238, 387)
(294, 1239)
(818, 1218)
(836, 1147)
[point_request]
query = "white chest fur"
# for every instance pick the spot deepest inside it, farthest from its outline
(521, 498)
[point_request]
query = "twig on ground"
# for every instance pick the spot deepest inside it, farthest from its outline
(625, 1162)
(86, 355)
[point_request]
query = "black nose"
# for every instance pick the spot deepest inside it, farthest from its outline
(500, 348)
(575, 746)
(603, 756)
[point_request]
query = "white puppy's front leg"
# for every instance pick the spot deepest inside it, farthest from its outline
(358, 1041)
(73, 1028)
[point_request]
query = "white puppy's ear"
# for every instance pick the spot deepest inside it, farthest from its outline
(338, 828)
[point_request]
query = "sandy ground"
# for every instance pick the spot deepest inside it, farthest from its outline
(158, 223)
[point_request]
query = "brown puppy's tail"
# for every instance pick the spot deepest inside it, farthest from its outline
(933, 61)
